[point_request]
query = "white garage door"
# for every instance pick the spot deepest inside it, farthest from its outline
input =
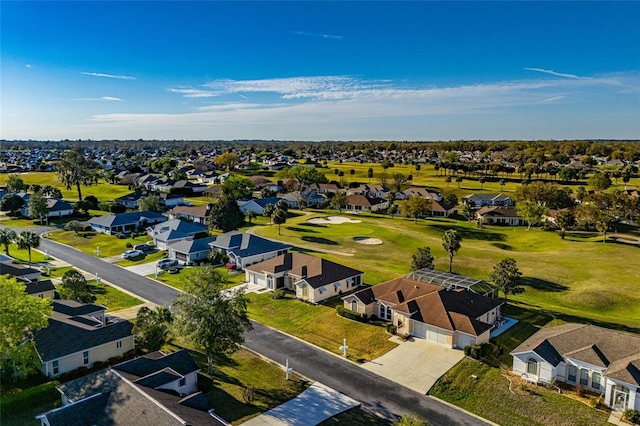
(419, 330)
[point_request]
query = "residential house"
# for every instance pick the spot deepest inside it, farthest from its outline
(190, 250)
(257, 205)
(196, 214)
(78, 335)
(597, 359)
(208, 178)
(170, 199)
(175, 230)
(312, 278)
(246, 249)
(498, 215)
(42, 289)
(184, 187)
(19, 271)
(302, 199)
(420, 191)
(132, 200)
(56, 207)
(451, 316)
(323, 188)
(371, 191)
(481, 200)
(156, 389)
(442, 208)
(125, 222)
(358, 203)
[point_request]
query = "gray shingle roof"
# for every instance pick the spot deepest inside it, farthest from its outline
(243, 244)
(181, 362)
(192, 246)
(111, 220)
(34, 287)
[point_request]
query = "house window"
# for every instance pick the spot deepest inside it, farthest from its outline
(269, 282)
(305, 291)
(385, 312)
(571, 373)
(85, 356)
(358, 280)
(354, 306)
(595, 380)
(119, 344)
(532, 366)
(182, 381)
(584, 377)
(54, 364)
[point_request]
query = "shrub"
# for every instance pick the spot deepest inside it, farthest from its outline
(346, 313)
(476, 351)
(117, 208)
(580, 391)
(405, 336)
(632, 416)
(121, 236)
(467, 350)
(278, 294)
(392, 329)
(129, 245)
(249, 394)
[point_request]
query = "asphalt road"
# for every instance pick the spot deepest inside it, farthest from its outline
(374, 392)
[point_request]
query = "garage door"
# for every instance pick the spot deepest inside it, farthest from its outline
(419, 330)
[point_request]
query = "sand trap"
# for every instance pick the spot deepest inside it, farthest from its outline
(367, 240)
(332, 220)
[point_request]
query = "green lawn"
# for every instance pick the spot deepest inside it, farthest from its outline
(22, 255)
(579, 277)
(109, 245)
(56, 272)
(355, 417)
(489, 396)
(112, 298)
(145, 258)
(178, 280)
(20, 406)
(321, 326)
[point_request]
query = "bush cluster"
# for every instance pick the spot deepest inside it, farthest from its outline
(347, 313)
(632, 416)
(392, 329)
(479, 351)
(278, 294)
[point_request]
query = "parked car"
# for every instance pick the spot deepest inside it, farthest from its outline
(143, 247)
(166, 263)
(132, 253)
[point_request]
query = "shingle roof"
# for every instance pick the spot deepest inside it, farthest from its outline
(498, 211)
(34, 287)
(111, 220)
(192, 246)
(180, 362)
(243, 244)
(196, 211)
(617, 351)
(362, 200)
(319, 272)
(16, 269)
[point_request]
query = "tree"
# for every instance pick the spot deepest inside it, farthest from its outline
(210, 318)
(250, 215)
(228, 160)
(482, 180)
(459, 180)
(7, 236)
(28, 240)
(370, 174)
(279, 217)
(151, 203)
(532, 212)
(503, 182)
(415, 206)
(74, 286)
(565, 219)
(75, 170)
(84, 206)
(506, 276)
(178, 174)
(398, 180)
(217, 257)
(152, 328)
(305, 174)
(21, 316)
(451, 243)
(73, 225)
(15, 183)
(604, 223)
(38, 206)
(339, 200)
(268, 212)
(225, 214)
(237, 187)
(11, 202)
(599, 181)
(451, 199)
(417, 169)
(422, 259)
(448, 180)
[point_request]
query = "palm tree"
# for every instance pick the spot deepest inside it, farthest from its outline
(28, 240)
(7, 235)
(451, 243)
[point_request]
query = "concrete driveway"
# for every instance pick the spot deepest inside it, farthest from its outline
(143, 269)
(415, 364)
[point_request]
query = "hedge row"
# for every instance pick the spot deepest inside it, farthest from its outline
(347, 313)
(479, 351)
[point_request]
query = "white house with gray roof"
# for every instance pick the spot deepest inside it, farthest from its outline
(598, 359)
(191, 250)
(175, 230)
(125, 222)
(246, 249)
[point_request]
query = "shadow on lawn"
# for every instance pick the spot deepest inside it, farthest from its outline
(472, 234)
(543, 285)
(301, 230)
(319, 240)
(314, 225)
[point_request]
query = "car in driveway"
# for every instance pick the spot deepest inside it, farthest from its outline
(129, 254)
(166, 263)
(143, 247)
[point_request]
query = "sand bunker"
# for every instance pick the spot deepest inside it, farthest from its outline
(332, 220)
(367, 240)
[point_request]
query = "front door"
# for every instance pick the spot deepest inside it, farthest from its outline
(620, 398)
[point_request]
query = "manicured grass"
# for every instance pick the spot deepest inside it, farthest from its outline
(19, 407)
(145, 258)
(489, 396)
(355, 417)
(112, 298)
(56, 272)
(87, 242)
(235, 373)
(579, 277)
(22, 255)
(178, 280)
(320, 325)
(13, 222)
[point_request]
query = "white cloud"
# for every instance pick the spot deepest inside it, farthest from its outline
(327, 36)
(552, 99)
(99, 74)
(28, 66)
(551, 72)
(103, 98)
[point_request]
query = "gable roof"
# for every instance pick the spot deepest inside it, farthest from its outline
(192, 246)
(34, 287)
(180, 362)
(362, 200)
(177, 225)
(243, 244)
(489, 197)
(262, 202)
(498, 211)
(111, 220)
(195, 211)
(16, 269)
(316, 271)
(56, 204)
(614, 350)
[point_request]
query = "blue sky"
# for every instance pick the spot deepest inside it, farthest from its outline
(320, 70)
